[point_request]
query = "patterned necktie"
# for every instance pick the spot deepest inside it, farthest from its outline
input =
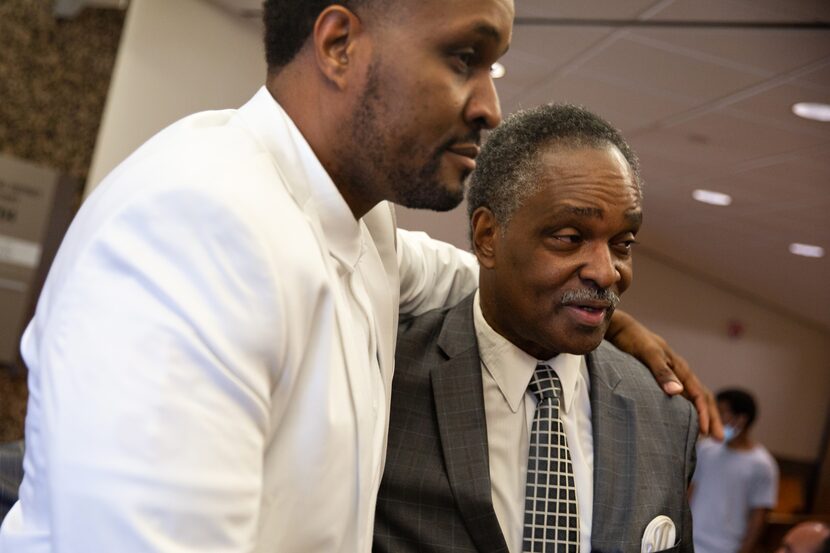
(551, 511)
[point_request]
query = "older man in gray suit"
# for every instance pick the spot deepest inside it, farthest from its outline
(514, 427)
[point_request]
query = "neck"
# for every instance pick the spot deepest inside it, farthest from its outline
(488, 307)
(313, 112)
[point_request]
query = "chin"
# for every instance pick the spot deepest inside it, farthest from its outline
(583, 346)
(437, 193)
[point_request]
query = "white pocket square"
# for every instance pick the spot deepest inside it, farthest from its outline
(659, 535)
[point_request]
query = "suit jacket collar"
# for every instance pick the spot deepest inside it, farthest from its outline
(615, 452)
(459, 404)
(303, 176)
(459, 407)
(274, 129)
(463, 432)
(602, 371)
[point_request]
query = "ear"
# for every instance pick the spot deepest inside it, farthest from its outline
(335, 33)
(485, 230)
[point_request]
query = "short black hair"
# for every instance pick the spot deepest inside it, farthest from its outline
(740, 402)
(288, 24)
(508, 166)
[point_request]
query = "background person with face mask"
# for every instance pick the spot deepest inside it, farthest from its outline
(735, 483)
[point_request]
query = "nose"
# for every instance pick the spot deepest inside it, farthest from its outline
(483, 109)
(600, 267)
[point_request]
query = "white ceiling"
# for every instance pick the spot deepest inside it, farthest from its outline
(704, 108)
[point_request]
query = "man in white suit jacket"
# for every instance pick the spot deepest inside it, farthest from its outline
(211, 356)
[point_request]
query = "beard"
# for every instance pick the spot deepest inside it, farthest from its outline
(390, 165)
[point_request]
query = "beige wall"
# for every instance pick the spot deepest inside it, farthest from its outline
(783, 361)
(176, 58)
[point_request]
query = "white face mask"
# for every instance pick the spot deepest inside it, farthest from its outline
(729, 433)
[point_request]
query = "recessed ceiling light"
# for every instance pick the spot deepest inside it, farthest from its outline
(812, 110)
(497, 70)
(806, 250)
(713, 198)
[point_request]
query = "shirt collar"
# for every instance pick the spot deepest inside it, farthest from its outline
(567, 367)
(511, 368)
(344, 237)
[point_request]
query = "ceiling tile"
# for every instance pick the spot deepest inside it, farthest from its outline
(721, 139)
(625, 107)
(804, 10)
(755, 195)
(664, 72)
(820, 157)
(724, 10)
(818, 78)
(767, 51)
(774, 107)
(662, 174)
(535, 52)
(597, 9)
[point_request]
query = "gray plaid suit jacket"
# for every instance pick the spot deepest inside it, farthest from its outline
(435, 494)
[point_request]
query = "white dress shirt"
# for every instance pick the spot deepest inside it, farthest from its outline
(509, 410)
(349, 247)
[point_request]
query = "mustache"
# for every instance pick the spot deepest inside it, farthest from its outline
(591, 294)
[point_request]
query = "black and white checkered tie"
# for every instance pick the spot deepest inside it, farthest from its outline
(551, 510)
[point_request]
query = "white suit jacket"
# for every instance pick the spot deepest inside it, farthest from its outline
(191, 387)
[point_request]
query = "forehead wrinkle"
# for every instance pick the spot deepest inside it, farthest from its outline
(584, 211)
(633, 216)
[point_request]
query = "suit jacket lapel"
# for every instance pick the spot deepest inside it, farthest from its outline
(614, 451)
(263, 116)
(459, 406)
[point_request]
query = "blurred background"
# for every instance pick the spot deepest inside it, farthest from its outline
(704, 90)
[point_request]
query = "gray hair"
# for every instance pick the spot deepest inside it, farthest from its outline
(508, 169)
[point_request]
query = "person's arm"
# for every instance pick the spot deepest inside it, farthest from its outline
(433, 273)
(754, 527)
(670, 370)
(161, 348)
(763, 496)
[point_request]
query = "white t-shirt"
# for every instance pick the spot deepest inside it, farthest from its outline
(728, 484)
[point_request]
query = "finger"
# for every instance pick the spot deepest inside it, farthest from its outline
(703, 414)
(697, 393)
(707, 409)
(716, 424)
(671, 386)
(659, 361)
(663, 373)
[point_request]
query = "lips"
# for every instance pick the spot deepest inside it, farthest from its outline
(464, 155)
(589, 313)
(467, 150)
(596, 305)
